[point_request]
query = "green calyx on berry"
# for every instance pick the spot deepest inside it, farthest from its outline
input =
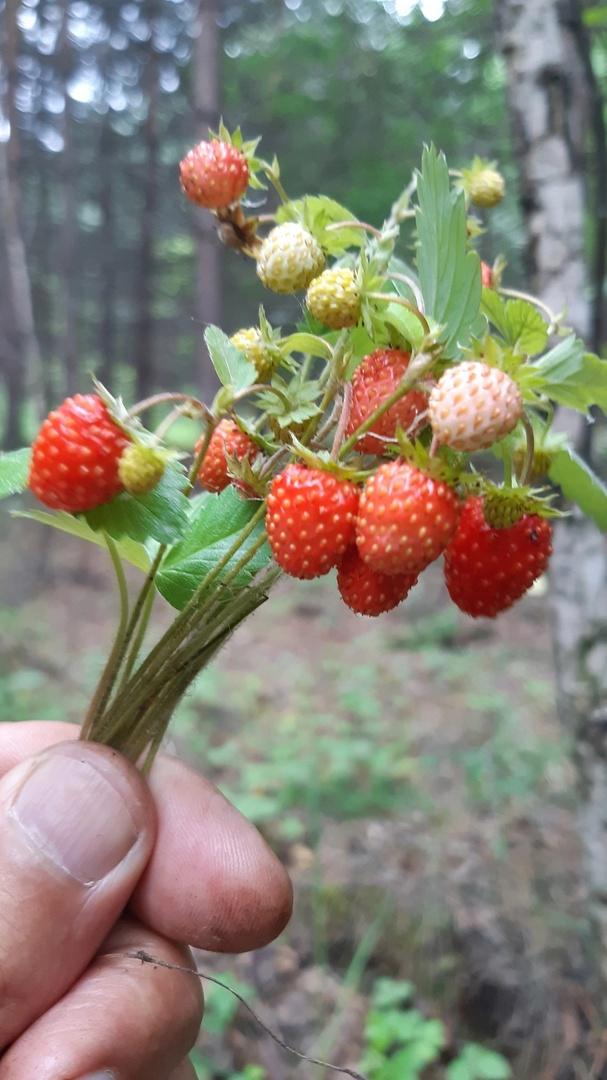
(140, 468)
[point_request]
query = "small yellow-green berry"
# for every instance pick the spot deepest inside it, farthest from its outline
(486, 187)
(289, 258)
(334, 298)
(251, 343)
(140, 468)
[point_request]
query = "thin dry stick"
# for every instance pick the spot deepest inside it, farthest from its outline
(145, 958)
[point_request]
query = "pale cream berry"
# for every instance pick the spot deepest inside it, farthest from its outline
(289, 258)
(473, 406)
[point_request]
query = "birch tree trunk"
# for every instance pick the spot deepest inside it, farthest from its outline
(548, 89)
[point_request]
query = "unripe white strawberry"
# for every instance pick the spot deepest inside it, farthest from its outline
(251, 343)
(334, 298)
(486, 188)
(289, 258)
(473, 405)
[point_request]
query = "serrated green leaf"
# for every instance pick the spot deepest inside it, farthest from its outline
(477, 1063)
(129, 550)
(526, 330)
(161, 514)
(317, 212)
(449, 274)
(232, 367)
(14, 469)
(573, 377)
(213, 528)
(580, 485)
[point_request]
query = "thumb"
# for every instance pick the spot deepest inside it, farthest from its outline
(77, 826)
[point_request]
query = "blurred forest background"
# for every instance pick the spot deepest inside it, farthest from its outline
(414, 774)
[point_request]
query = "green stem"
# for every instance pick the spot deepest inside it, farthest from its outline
(112, 666)
(137, 642)
(201, 453)
(527, 468)
(416, 369)
(396, 299)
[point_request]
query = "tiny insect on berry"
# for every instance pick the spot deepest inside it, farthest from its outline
(374, 380)
(334, 298)
(473, 405)
(214, 174)
(310, 520)
(289, 258)
(140, 468)
(487, 569)
(226, 441)
(365, 591)
(405, 519)
(76, 456)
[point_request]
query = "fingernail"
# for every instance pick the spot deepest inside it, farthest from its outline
(103, 1074)
(74, 815)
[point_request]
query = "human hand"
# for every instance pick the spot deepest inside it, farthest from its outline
(81, 836)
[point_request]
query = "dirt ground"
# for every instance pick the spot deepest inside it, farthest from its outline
(411, 772)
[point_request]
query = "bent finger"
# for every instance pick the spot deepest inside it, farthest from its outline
(121, 1019)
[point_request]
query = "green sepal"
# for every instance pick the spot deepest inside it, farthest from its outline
(518, 321)
(213, 528)
(14, 471)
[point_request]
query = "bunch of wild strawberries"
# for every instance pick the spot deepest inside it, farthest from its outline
(381, 512)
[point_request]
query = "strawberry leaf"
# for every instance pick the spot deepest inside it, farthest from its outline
(129, 550)
(14, 469)
(233, 369)
(161, 514)
(213, 529)
(317, 212)
(571, 376)
(449, 274)
(579, 484)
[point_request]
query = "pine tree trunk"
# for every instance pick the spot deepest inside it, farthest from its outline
(206, 106)
(549, 93)
(144, 348)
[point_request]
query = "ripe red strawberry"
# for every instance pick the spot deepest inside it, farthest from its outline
(487, 570)
(374, 380)
(365, 591)
(75, 456)
(405, 519)
(310, 520)
(226, 439)
(214, 174)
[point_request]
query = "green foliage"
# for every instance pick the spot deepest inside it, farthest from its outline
(449, 273)
(400, 1042)
(14, 469)
(233, 369)
(317, 212)
(212, 529)
(161, 514)
(519, 323)
(579, 483)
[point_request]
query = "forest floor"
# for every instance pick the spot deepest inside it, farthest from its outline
(412, 774)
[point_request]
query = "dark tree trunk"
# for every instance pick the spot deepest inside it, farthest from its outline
(20, 351)
(67, 242)
(144, 358)
(550, 96)
(107, 290)
(206, 106)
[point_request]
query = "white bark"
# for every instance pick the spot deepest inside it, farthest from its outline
(547, 89)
